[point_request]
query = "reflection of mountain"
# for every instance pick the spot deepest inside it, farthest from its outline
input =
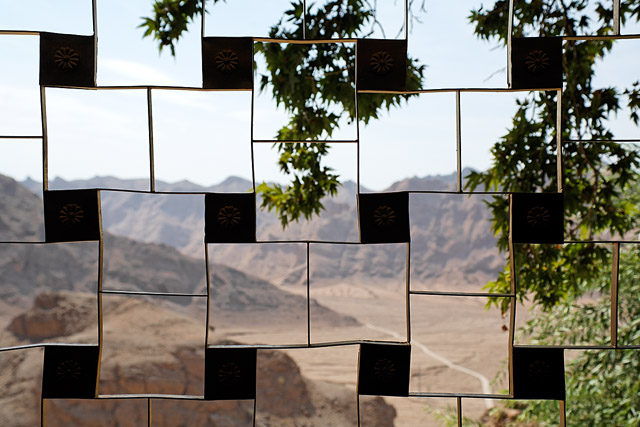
(453, 245)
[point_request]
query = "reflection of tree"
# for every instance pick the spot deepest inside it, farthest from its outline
(602, 386)
(313, 83)
(596, 174)
(600, 187)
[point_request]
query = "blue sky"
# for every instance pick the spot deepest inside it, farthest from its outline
(205, 136)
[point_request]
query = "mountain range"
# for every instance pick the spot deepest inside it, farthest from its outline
(149, 349)
(453, 247)
(153, 242)
(151, 344)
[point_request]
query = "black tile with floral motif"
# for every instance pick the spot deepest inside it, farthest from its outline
(384, 369)
(384, 217)
(67, 60)
(227, 63)
(230, 373)
(537, 217)
(70, 372)
(230, 217)
(71, 215)
(381, 64)
(538, 373)
(536, 63)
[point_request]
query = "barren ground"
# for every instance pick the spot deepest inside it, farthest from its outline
(456, 343)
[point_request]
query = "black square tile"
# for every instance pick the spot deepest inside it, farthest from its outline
(71, 215)
(537, 218)
(536, 63)
(230, 373)
(382, 64)
(384, 369)
(70, 372)
(384, 217)
(67, 60)
(227, 63)
(538, 373)
(230, 218)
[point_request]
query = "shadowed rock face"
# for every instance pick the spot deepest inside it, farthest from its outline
(148, 349)
(22, 217)
(280, 376)
(54, 314)
(168, 361)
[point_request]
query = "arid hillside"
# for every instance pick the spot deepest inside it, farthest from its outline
(453, 247)
(257, 294)
(148, 349)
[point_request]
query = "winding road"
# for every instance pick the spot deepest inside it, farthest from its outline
(484, 381)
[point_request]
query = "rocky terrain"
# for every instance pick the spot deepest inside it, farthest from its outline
(133, 363)
(26, 269)
(453, 247)
(151, 344)
(21, 212)
(357, 291)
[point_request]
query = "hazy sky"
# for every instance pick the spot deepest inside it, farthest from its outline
(205, 136)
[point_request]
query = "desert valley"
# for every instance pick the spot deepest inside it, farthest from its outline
(153, 242)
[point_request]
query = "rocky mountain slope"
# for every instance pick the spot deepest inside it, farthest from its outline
(453, 246)
(21, 212)
(151, 344)
(26, 269)
(165, 355)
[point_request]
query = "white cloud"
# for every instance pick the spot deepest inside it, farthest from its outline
(119, 70)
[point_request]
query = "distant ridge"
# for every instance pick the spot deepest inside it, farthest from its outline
(129, 265)
(453, 246)
(229, 184)
(232, 183)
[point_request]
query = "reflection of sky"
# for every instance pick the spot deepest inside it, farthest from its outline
(204, 137)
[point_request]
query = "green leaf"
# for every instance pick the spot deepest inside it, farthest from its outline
(314, 84)
(600, 178)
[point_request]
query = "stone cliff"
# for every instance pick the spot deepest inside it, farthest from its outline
(161, 353)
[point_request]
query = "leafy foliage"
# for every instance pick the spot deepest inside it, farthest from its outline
(315, 84)
(603, 386)
(170, 19)
(596, 173)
